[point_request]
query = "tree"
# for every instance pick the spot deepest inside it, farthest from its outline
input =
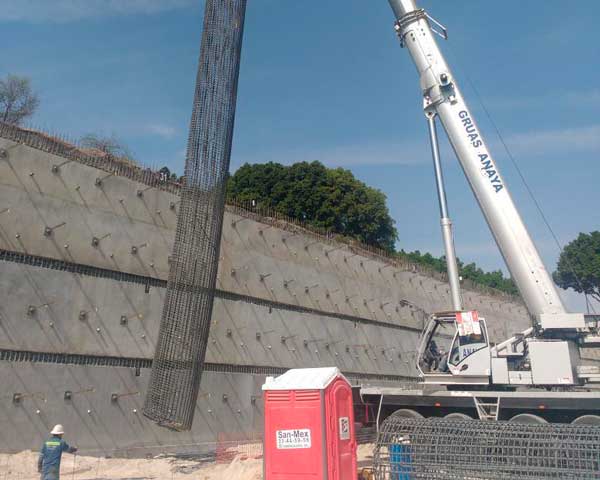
(579, 265)
(110, 145)
(17, 100)
(437, 264)
(494, 279)
(331, 199)
(470, 271)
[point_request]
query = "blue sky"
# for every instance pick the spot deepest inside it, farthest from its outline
(327, 80)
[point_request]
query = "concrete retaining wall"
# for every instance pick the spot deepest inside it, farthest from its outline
(85, 257)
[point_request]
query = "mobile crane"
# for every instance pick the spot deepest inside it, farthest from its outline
(535, 376)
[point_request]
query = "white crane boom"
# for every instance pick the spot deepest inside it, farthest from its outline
(443, 96)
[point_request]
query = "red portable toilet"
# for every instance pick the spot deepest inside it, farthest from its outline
(309, 426)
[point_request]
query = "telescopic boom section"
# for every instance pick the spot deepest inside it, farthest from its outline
(443, 96)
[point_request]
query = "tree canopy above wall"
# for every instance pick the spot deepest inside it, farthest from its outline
(330, 199)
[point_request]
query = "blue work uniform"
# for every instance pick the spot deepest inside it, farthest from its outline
(50, 455)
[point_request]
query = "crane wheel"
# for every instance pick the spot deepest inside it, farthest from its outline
(527, 418)
(457, 416)
(406, 413)
(587, 420)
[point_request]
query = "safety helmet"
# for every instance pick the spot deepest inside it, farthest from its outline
(58, 430)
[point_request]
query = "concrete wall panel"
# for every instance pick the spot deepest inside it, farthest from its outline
(99, 425)
(61, 312)
(53, 311)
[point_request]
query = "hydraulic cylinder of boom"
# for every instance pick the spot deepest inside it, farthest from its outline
(443, 96)
(446, 223)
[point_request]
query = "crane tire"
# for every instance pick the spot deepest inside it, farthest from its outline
(527, 418)
(587, 420)
(457, 416)
(406, 413)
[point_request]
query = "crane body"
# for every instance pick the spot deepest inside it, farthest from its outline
(538, 368)
(444, 97)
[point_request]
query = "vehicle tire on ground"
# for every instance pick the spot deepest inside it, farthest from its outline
(457, 416)
(406, 413)
(527, 418)
(587, 420)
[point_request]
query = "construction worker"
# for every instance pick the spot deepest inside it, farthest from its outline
(431, 356)
(51, 453)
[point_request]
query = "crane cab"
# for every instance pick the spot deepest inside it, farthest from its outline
(455, 349)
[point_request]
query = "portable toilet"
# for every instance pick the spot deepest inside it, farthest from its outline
(309, 426)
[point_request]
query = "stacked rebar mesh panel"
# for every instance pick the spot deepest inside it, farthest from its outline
(447, 449)
(184, 329)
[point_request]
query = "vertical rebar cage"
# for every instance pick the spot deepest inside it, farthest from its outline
(445, 449)
(184, 329)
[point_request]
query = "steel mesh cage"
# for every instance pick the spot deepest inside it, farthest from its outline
(184, 328)
(447, 449)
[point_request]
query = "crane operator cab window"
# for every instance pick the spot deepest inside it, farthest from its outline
(434, 355)
(466, 345)
(451, 339)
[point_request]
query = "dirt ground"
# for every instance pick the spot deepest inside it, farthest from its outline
(22, 466)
